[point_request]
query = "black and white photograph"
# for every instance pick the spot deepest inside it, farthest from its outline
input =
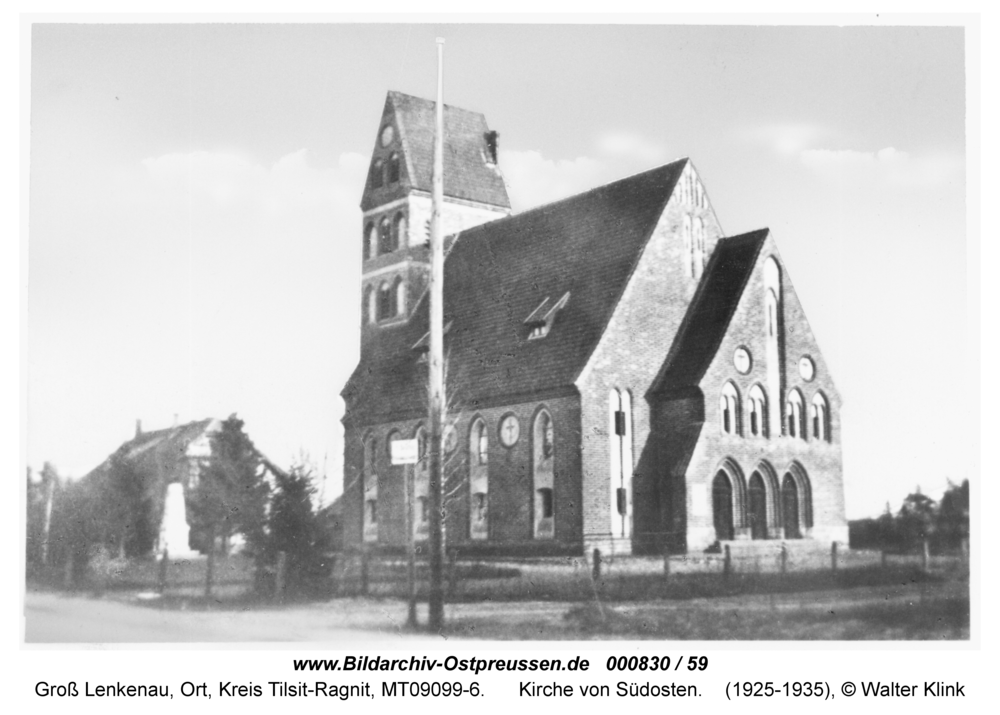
(397, 333)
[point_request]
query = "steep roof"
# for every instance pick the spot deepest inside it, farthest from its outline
(467, 173)
(153, 452)
(708, 317)
(498, 274)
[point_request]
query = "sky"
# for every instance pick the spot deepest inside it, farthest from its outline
(194, 229)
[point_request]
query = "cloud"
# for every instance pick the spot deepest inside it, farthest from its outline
(533, 180)
(787, 139)
(632, 147)
(887, 166)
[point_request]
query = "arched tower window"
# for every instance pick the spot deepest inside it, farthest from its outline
(376, 177)
(819, 417)
(386, 302)
(385, 236)
(392, 169)
(794, 415)
(543, 463)
(399, 294)
(368, 242)
(729, 409)
(399, 230)
(479, 457)
(758, 412)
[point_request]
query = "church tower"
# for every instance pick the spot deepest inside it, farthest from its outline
(396, 204)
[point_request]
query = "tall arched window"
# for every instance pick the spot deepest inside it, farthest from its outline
(392, 169)
(758, 412)
(367, 246)
(386, 302)
(620, 451)
(794, 415)
(543, 468)
(688, 244)
(819, 416)
(399, 231)
(369, 478)
(729, 409)
(377, 170)
(772, 342)
(698, 240)
(385, 236)
(479, 451)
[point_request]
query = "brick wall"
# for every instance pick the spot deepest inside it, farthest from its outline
(511, 496)
(820, 460)
(630, 355)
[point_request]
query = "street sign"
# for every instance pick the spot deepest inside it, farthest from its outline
(404, 451)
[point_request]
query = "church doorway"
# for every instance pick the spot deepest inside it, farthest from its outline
(758, 507)
(790, 507)
(722, 506)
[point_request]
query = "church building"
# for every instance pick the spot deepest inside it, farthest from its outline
(619, 373)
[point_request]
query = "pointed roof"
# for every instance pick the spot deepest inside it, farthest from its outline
(496, 275)
(710, 313)
(158, 449)
(469, 172)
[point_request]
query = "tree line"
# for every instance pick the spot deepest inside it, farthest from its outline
(115, 514)
(943, 525)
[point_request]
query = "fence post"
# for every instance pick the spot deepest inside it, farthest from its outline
(597, 565)
(666, 564)
(885, 560)
(925, 556)
(364, 571)
(784, 559)
(68, 573)
(833, 556)
(161, 580)
(279, 576)
(727, 562)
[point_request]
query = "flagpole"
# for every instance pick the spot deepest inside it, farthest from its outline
(435, 618)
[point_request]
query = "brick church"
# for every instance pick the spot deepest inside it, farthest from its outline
(619, 373)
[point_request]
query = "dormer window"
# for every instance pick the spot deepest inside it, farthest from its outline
(541, 319)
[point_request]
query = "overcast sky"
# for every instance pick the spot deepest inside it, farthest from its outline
(195, 231)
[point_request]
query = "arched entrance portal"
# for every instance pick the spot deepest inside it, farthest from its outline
(758, 507)
(790, 507)
(722, 506)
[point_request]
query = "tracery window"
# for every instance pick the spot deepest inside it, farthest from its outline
(729, 409)
(758, 412)
(794, 415)
(820, 417)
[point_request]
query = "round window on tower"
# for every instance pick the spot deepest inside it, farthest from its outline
(388, 134)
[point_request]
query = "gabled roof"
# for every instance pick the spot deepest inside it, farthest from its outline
(498, 273)
(468, 170)
(152, 452)
(711, 310)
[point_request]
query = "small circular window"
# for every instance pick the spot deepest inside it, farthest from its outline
(741, 360)
(806, 368)
(388, 133)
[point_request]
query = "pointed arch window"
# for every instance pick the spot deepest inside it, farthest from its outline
(729, 409)
(543, 469)
(758, 412)
(399, 293)
(376, 177)
(479, 446)
(386, 302)
(371, 299)
(392, 169)
(368, 241)
(819, 417)
(369, 479)
(620, 451)
(385, 236)
(794, 415)
(399, 231)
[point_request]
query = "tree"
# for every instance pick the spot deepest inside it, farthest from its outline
(953, 516)
(293, 529)
(915, 521)
(230, 494)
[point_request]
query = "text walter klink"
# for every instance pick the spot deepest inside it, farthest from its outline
(893, 689)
